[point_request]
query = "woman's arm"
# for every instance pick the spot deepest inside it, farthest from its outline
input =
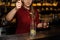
(12, 13)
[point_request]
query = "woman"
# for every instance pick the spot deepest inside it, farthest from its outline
(22, 13)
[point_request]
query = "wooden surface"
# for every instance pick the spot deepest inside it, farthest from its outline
(26, 36)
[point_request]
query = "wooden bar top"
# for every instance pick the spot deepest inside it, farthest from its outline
(39, 35)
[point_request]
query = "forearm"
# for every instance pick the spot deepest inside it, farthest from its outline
(14, 20)
(11, 14)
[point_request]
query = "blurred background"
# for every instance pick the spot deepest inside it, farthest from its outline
(49, 11)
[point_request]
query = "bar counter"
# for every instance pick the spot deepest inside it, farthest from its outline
(41, 35)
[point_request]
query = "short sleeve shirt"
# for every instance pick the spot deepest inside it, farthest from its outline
(23, 20)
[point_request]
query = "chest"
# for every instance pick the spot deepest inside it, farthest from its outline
(24, 16)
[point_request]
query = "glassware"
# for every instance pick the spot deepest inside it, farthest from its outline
(32, 25)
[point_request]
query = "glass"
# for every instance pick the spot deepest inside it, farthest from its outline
(32, 25)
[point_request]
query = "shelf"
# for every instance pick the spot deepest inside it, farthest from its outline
(34, 4)
(45, 4)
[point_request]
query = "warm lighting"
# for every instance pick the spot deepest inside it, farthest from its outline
(48, 4)
(38, 4)
(12, 4)
(43, 4)
(0, 3)
(47, 9)
(55, 4)
(34, 4)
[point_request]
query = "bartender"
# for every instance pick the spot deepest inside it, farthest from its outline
(22, 14)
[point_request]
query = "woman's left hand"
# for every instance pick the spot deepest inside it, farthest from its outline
(42, 25)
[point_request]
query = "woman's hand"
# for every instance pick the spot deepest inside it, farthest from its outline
(42, 25)
(39, 25)
(18, 4)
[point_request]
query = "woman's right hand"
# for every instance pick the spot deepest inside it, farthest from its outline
(18, 4)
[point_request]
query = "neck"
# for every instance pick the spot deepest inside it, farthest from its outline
(28, 8)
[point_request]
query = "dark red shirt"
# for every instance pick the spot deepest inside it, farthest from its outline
(24, 20)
